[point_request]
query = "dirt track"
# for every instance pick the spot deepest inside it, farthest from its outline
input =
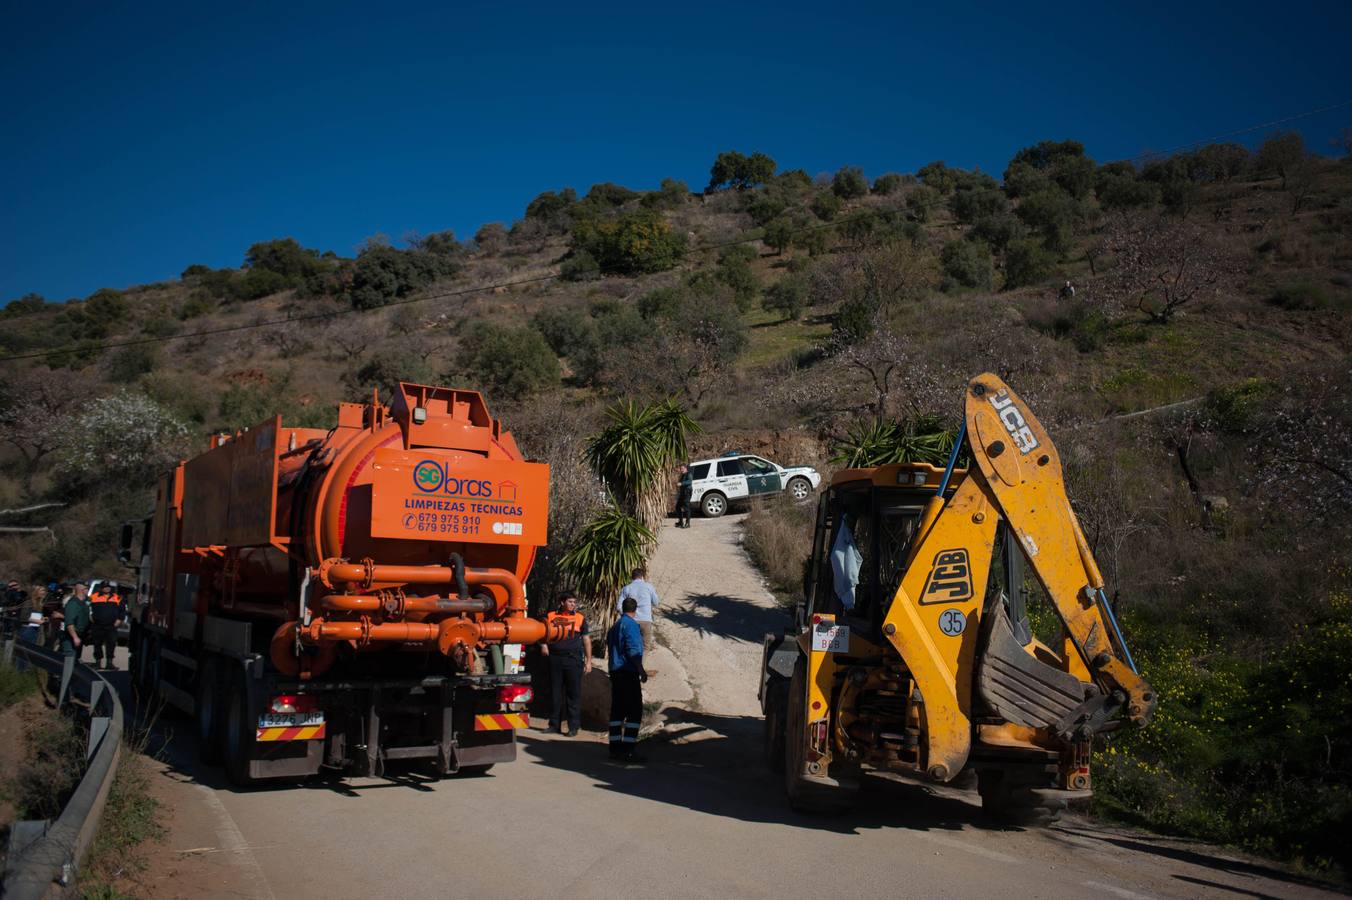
(703, 819)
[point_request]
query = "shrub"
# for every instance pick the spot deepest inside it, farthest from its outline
(787, 296)
(551, 210)
(1300, 295)
(382, 372)
(849, 182)
(921, 202)
(198, 304)
(938, 176)
(635, 243)
(580, 266)
(383, 274)
(672, 194)
(285, 257)
(564, 330)
(258, 283)
(888, 184)
(967, 264)
(609, 194)
(737, 275)
(826, 205)
(1280, 154)
(105, 308)
(998, 230)
(510, 362)
(972, 205)
(779, 234)
(1051, 213)
(779, 540)
(1026, 262)
(1061, 162)
(762, 207)
(129, 363)
(491, 238)
(122, 437)
(195, 270)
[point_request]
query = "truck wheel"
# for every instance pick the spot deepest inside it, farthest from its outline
(713, 505)
(240, 730)
(806, 794)
(800, 489)
(776, 707)
(207, 712)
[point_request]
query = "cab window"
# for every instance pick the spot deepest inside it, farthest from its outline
(729, 467)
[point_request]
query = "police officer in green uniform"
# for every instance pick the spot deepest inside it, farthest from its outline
(76, 624)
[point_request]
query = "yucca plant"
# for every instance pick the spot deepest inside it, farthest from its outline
(922, 438)
(634, 452)
(600, 561)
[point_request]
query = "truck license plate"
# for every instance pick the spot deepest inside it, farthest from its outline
(290, 720)
(828, 637)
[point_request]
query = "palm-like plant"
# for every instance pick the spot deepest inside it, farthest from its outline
(632, 452)
(922, 438)
(600, 561)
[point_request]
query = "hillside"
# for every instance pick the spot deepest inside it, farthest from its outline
(786, 313)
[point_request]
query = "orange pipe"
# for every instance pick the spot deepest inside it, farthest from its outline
(396, 604)
(367, 573)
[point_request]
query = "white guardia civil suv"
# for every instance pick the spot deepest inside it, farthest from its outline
(732, 477)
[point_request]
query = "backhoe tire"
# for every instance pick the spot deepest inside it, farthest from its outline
(713, 505)
(776, 708)
(806, 794)
(1007, 800)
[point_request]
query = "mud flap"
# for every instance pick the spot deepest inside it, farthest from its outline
(1020, 689)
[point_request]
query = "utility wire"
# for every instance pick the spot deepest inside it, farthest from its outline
(539, 279)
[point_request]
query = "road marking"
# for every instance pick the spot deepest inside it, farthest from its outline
(231, 839)
(1119, 891)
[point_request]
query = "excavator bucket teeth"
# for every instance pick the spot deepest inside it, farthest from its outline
(1020, 688)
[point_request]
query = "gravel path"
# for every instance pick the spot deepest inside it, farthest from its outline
(715, 610)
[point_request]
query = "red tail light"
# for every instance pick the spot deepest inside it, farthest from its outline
(515, 693)
(293, 703)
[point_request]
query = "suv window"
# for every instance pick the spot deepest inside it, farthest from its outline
(699, 472)
(758, 466)
(729, 467)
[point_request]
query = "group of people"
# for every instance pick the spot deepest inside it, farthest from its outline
(627, 642)
(39, 616)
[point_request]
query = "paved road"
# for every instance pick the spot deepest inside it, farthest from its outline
(703, 819)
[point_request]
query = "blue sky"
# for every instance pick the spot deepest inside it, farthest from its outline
(139, 139)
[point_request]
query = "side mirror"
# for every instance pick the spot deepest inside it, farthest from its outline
(124, 544)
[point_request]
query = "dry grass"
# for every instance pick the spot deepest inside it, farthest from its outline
(779, 541)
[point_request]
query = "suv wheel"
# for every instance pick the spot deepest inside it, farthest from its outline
(714, 505)
(800, 489)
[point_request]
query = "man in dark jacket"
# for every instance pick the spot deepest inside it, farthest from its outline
(106, 614)
(683, 494)
(75, 621)
(624, 646)
(569, 661)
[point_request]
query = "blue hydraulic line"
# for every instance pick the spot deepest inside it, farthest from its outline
(952, 460)
(1117, 632)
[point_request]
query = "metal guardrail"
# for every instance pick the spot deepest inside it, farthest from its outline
(45, 857)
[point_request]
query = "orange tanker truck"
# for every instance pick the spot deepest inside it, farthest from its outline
(340, 599)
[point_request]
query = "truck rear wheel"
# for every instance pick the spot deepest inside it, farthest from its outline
(207, 712)
(808, 793)
(240, 729)
(1008, 799)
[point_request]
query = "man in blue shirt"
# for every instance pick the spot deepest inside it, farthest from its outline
(643, 594)
(624, 647)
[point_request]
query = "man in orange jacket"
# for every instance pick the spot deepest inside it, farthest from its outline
(105, 617)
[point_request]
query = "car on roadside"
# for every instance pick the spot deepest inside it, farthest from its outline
(736, 477)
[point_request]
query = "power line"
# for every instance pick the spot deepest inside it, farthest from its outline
(538, 279)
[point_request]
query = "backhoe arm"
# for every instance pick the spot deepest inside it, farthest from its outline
(1022, 475)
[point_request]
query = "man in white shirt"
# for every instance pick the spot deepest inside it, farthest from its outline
(646, 597)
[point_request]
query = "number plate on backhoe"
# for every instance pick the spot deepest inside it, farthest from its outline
(828, 637)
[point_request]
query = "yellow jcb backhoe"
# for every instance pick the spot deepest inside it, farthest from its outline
(912, 650)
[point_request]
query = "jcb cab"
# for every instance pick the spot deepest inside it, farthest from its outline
(912, 651)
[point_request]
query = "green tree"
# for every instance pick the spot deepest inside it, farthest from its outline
(1280, 154)
(634, 243)
(849, 183)
(1026, 262)
(1119, 187)
(779, 234)
(735, 272)
(938, 176)
(381, 275)
(564, 330)
(735, 170)
(1062, 162)
(788, 296)
(970, 205)
(25, 305)
(258, 283)
(580, 266)
(826, 205)
(672, 194)
(888, 184)
(921, 202)
(967, 264)
(510, 362)
(1051, 213)
(491, 238)
(285, 257)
